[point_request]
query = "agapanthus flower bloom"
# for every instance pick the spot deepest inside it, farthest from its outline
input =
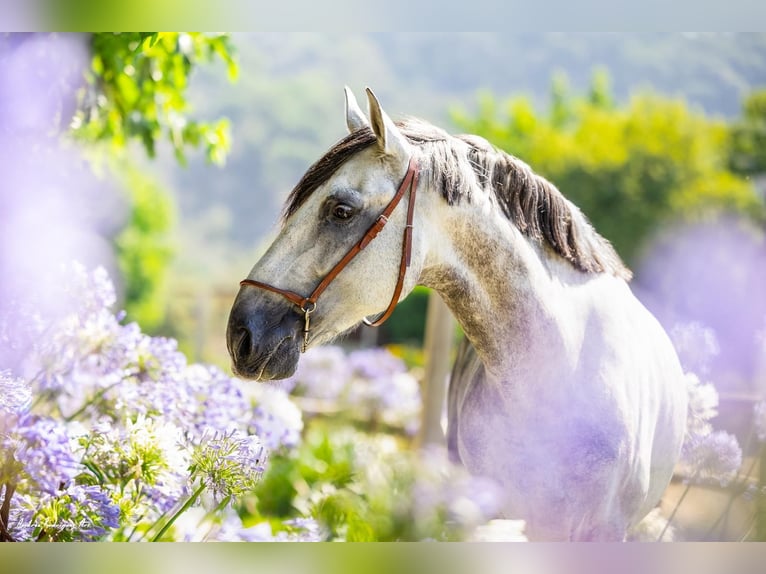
(276, 419)
(322, 373)
(369, 384)
(703, 405)
(80, 512)
(15, 397)
(695, 344)
(375, 363)
(651, 527)
(43, 447)
(715, 457)
(228, 464)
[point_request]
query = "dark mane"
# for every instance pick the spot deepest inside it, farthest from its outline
(455, 164)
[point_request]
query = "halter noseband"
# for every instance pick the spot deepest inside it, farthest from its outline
(309, 304)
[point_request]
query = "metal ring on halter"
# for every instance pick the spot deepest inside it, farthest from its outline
(371, 322)
(309, 311)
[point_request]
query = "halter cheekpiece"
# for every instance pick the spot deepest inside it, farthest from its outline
(308, 305)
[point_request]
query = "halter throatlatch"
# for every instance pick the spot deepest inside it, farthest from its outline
(308, 305)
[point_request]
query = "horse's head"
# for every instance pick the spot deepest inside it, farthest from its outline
(331, 209)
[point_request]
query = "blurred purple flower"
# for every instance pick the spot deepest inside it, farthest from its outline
(702, 407)
(713, 274)
(375, 363)
(759, 420)
(276, 419)
(232, 530)
(714, 457)
(42, 446)
(96, 510)
(322, 373)
(15, 396)
(220, 403)
(53, 209)
(696, 346)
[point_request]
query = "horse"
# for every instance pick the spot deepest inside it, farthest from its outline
(565, 390)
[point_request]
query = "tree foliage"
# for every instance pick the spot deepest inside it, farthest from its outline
(137, 90)
(630, 168)
(748, 136)
(144, 248)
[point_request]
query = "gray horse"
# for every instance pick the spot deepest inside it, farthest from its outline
(566, 390)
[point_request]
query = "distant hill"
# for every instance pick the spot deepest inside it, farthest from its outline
(287, 107)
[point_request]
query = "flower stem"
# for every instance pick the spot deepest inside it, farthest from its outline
(5, 511)
(180, 511)
(673, 514)
(90, 402)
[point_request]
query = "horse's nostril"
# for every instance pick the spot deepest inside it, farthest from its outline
(245, 343)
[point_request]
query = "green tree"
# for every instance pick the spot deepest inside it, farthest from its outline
(136, 91)
(144, 248)
(630, 168)
(748, 136)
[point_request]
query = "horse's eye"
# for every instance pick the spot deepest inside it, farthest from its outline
(342, 211)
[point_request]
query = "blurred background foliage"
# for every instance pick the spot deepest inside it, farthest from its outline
(136, 89)
(631, 168)
(136, 92)
(639, 131)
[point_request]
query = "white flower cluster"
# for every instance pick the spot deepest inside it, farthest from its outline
(707, 455)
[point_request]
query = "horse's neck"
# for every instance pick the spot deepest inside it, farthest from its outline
(499, 287)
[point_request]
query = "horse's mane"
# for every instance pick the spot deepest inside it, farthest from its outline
(453, 163)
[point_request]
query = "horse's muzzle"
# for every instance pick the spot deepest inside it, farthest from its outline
(263, 338)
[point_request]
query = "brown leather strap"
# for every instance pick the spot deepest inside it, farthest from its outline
(308, 304)
(406, 256)
(292, 296)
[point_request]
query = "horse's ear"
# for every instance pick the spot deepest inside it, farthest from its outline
(355, 119)
(390, 139)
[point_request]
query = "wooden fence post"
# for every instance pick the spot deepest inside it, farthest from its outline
(440, 332)
(760, 501)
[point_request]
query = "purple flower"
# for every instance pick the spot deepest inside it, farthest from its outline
(96, 510)
(21, 516)
(15, 396)
(228, 464)
(219, 400)
(276, 419)
(695, 344)
(42, 447)
(323, 373)
(375, 363)
(232, 530)
(713, 457)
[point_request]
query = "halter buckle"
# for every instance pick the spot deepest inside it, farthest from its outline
(307, 311)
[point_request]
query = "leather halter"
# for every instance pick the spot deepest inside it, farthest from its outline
(309, 304)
